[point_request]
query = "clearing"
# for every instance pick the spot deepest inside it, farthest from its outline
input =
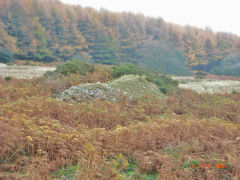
(208, 85)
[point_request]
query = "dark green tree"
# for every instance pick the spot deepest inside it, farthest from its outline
(106, 50)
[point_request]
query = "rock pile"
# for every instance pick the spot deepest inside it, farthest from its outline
(91, 91)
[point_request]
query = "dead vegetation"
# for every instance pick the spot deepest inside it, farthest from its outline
(43, 138)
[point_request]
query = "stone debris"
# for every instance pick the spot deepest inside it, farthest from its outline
(90, 91)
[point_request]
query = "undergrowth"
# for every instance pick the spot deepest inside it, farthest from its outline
(145, 138)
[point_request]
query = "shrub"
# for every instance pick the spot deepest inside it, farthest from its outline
(8, 78)
(126, 69)
(165, 83)
(75, 67)
(234, 91)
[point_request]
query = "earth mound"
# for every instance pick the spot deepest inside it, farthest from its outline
(132, 86)
(137, 86)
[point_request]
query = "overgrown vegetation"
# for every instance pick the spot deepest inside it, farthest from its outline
(146, 137)
(79, 68)
(75, 67)
(73, 73)
(126, 69)
(143, 138)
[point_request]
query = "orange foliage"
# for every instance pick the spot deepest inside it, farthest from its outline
(40, 134)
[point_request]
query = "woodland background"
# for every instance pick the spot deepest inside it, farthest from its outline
(48, 30)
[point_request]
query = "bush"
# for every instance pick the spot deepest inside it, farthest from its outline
(75, 67)
(165, 83)
(234, 91)
(8, 78)
(126, 69)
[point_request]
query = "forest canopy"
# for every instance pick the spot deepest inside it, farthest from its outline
(48, 30)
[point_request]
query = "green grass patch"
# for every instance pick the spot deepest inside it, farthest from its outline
(136, 86)
(66, 172)
(131, 173)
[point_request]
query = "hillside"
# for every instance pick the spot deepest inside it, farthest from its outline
(48, 30)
